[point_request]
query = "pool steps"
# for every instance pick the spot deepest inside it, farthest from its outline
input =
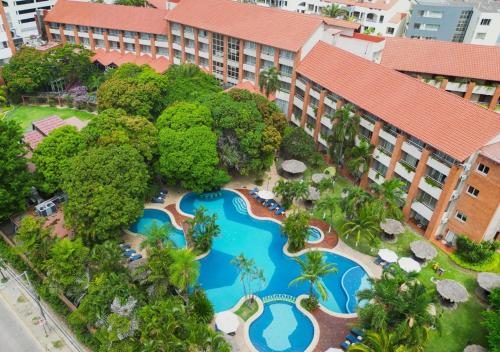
(279, 297)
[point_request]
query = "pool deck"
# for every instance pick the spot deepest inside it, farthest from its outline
(333, 330)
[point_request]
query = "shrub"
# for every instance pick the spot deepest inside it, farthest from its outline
(310, 303)
(202, 307)
(473, 252)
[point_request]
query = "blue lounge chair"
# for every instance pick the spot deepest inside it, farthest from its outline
(280, 211)
(273, 206)
(357, 332)
(352, 339)
(345, 345)
(129, 252)
(253, 191)
(124, 246)
(378, 260)
(135, 257)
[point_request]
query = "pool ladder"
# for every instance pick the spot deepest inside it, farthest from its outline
(279, 297)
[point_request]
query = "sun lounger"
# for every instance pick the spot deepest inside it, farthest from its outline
(273, 206)
(353, 339)
(124, 246)
(357, 332)
(345, 345)
(129, 252)
(253, 191)
(135, 257)
(280, 211)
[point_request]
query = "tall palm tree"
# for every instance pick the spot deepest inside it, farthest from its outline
(313, 269)
(328, 206)
(333, 11)
(354, 199)
(245, 267)
(363, 225)
(378, 342)
(359, 161)
(184, 269)
(269, 81)
(291, 190)
(392, 193)
(344, 130)
(156, 236)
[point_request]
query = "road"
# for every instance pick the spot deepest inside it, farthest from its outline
(14, 336)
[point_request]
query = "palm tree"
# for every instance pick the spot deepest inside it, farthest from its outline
(291, 190)
(343, 133)
(269, 81)
(333, 11)
(156, 236)
(155, 273)
(350, 18)
(328, 206)
(296, 227)
(314, 268)
(184, 269)
(355, 198)
(378, 342)
(363, 225)
(359, 161)
(245, 267)
(392, 193)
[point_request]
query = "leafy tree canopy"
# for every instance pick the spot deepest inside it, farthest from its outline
(296, 228)
(52, 154)
(189, 83)
(183, 115)
(138, 90)
(492, 320)
(34, 240)
(106, 188)
(297, 144)
(115, 127)
(14, 176)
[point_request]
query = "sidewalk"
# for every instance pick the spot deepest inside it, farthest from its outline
(28, 320)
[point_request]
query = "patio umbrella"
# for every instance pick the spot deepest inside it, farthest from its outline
(330, 171)
(488, 281)
(423, 249)
(313, 193)
(293, 166)
(475, 348)
(392, 227)
(387, 255)
(409, 264)
(452, 291)
(265, 194)
(227, 321)
(317, 178)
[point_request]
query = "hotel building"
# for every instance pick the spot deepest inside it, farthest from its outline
(430, 139)
(469, 71)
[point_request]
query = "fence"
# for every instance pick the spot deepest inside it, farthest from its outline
(57, 100)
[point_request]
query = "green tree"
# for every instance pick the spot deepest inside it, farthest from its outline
(184, 115)
(249, 274)
(392, 194)
(492, 320)
(115, 127)
(202, 229)
(344, 130)
(314, 268)
(378, 342)
(269, 81)
(106, 188)
(184, 269)
(201, 306)
(138, 3)
(138, 90)
(155, 273)
(296, 228)
(51, 157)
(14, 176)
(333, 11)
(359, 159)
(190, 158)
(297, 144)
(65, 268)
(363, 225)
(34, 240)
(329, 206)
(290, 191)
(355, 198)
(157, 236)
(106, 257)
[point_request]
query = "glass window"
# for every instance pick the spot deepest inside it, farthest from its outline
(483, 169)
(145, 49)
(97, 30)
(408, 159)
(69, 27)
(233, 49)
(250, 76)
(472, 191)
(161, 38)
(188, 30)
(145, 36)
(249, 60)
(217, 45)
(461, 216)
(285, 54)
(250, 45)
(385, 146)
(379, 167)
(427, 200)
(233, 72)
(267, 50)
(176, 27)
(485, 21)
(161, 51)
(436, 175)
(113, 32)
(203, 61)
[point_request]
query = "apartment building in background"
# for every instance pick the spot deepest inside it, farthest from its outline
(381, 17)
(463, 21)
(428, 138)
(469, 71)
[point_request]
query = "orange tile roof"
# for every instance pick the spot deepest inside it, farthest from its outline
(443, 120)
(247, 85)
(127, 18)
(442, 58)
(160, 64)
(368, 38)
(269, 26)
(341, 23)
(492, 152)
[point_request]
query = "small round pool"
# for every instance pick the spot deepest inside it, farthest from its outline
(160, 218)
(281, 327)
(314, 235)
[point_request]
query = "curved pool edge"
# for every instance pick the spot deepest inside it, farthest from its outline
(322, 237)
(311, 317)
(255, 316)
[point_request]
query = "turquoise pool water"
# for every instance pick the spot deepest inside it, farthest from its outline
(262, 241)
(160, 218)
(314, 235)
(281, 327)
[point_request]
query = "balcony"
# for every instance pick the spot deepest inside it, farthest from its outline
(375, 176)
(327, 121)
(366, 124)
(422, 210)
(389, 137)
(485, 90)
(404, 172)
(429, 188)
(300, 83)
(381, 156)
(412, 150)
(456, 87)
(439, 164)
(298, 102)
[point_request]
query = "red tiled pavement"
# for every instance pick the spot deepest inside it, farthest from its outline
(333, 330)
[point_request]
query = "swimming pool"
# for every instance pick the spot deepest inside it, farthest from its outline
(314, 236)
(262, 241)
(281, 327)
(160, 218)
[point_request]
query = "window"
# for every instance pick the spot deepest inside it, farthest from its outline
(427, 200)
(188, 30)
(408, 159)
(202, 33)
(113, 32)
(386, 146)
(485, 22)
(189, 43)
(203, 62)
(53, 25)
(285, 54)
(285, 87)
(161, 38)
(161, 51)
(233, 72)
(365, 133)
(218, 45)
(483, 169)
(145, 49)
(379, 167)
(250, 76)
(250, 45)
(145, 36)
(389, 30)
(267, 50)
(480, 35)
(282, 104)
(99, 43)
(460, 216)
(69, 27)
(436, 175)
(97, 30)
(190, 58)
(218, 68)
(203, 47)
(233, 52)
(70, 39)
(129, 47)
(83, 28)
(264, 64)
(28, 20)
(114, 44)
(176, 27)
(416, 25)
(472, 191)
(286, 70)
(130, 35)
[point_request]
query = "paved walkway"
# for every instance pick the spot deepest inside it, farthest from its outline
(333, 330)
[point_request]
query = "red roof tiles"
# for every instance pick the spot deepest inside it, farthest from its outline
(368, 38)
(341, 23)
(127, 18)
(442, 58)
(445, 121)
(160, 64)
(33, 138)
(492, 152)
(269, 26)
(247, 85)
(48, 124)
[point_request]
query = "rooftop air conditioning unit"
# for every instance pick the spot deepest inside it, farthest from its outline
(46, 208)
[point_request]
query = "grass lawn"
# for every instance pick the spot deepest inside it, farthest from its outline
(247, 309)
(459, 327)
(25, 115)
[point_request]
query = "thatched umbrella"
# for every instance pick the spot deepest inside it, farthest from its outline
(392, 227)
(409, 265)
(317, 178)
(452, 291)
(313, 194)
(488, 281)
(293, 166)
(423, 250)
(475, 348)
